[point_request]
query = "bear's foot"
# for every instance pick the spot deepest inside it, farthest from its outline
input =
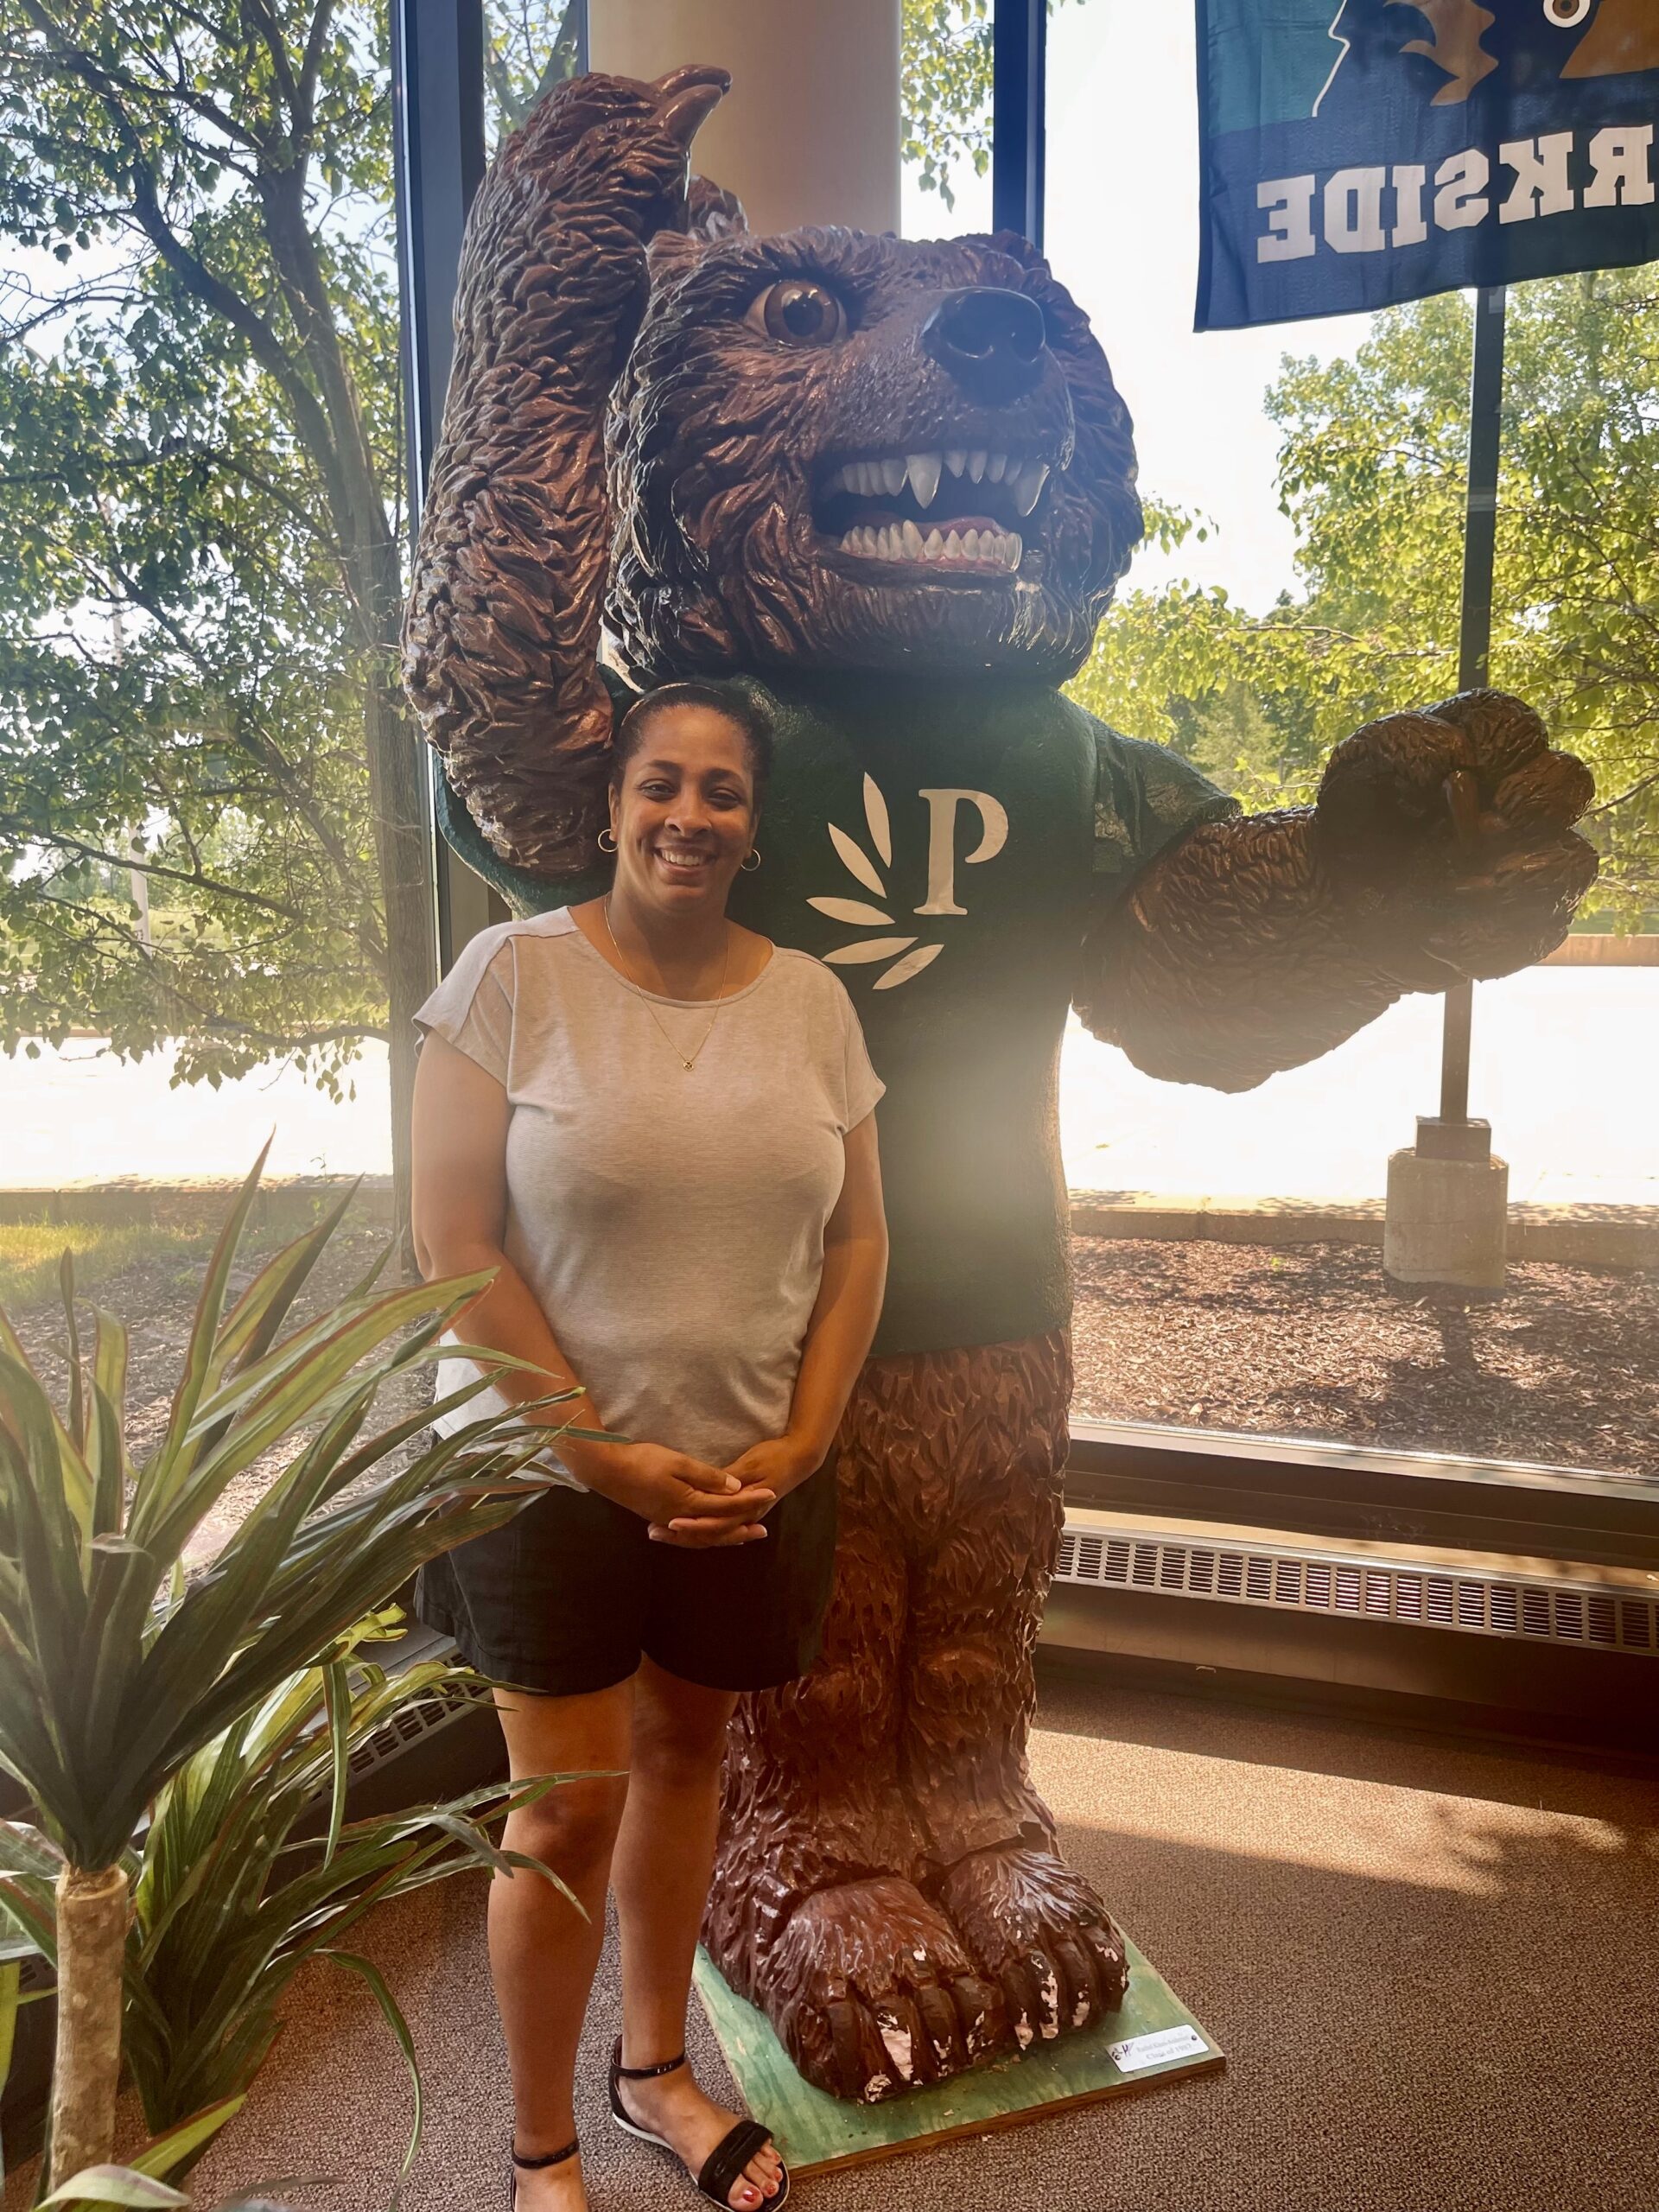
(1037, 1929)
(873, 1993)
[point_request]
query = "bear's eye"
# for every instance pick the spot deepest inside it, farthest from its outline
(798, 313)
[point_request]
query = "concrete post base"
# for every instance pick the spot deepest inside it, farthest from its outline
(1446, 1221)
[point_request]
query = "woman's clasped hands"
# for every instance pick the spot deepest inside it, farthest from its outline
(686, 1501)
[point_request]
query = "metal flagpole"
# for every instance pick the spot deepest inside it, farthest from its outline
(1447, 1215)
(1457, 1136)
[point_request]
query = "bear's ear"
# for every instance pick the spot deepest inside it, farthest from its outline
(712, 212)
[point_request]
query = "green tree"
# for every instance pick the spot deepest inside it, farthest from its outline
(1372, 466)
(944, 90)
(200, 494)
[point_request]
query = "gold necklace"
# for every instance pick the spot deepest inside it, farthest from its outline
(726, 961)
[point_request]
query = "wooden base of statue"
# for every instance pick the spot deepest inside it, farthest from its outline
(1151, 2039)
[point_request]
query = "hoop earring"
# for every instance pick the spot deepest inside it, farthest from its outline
(603, 835)
(751, 860)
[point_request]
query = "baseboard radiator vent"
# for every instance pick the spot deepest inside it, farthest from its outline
(410, 1724)
(1481, 1602)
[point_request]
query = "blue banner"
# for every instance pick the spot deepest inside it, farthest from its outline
(1358, 152)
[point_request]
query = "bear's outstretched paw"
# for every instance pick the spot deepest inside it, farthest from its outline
(1038, 1929)
(873, 1993)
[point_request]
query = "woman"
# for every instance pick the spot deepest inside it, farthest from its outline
(656, 1127)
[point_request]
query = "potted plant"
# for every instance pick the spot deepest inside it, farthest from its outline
(115, 1673)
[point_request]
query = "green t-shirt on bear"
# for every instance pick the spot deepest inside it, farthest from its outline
(943, 847)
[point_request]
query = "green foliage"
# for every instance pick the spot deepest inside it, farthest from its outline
(234, 1893)
(1372, 471)
(200, 457)
(945, 89)
(528, 45)
(115, 1671)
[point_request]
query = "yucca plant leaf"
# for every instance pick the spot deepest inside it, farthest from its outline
(10, 1978)
(124, 1580)
(32, 1911)
(250, 1329)
(54, 1468)
(338, 1700)
(354, 1963)
(106, 1448)
(26, 1851)
(299, 1370)
(180, 2145)
(117, 2185)
(77, 1485)
(171, 1464)
(71, 1345)
(292, 1385)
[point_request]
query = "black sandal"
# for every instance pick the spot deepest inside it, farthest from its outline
(531, 2165)
(724, 2164)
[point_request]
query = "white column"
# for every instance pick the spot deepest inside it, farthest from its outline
(808, 132)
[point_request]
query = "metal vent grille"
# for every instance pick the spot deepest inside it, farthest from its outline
(407, 1726)
(1585, 1613)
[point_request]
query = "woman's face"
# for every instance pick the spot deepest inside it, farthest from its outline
(684, 815)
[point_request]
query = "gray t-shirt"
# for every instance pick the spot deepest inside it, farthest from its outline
(670, 1224)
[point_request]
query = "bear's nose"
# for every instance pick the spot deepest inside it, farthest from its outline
(991, 340)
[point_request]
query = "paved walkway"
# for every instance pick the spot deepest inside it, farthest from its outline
(1566, 1067)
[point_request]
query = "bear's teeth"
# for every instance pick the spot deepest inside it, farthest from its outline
(1028, 486)
(923, 469)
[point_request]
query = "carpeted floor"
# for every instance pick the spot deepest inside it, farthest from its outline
(1433, 1968)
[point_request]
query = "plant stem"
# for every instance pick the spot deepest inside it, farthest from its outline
(93, 1913)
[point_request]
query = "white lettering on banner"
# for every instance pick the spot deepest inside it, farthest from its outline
(1288, 203)
(1622, 159)
(1410, 228)
(1461, 201)
(1353, 210)
(1542, 186)
(942, 843)
(1350, 212)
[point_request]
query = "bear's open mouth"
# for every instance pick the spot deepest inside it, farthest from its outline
(958, 509)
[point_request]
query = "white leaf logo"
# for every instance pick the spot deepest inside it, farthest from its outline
(858, 864)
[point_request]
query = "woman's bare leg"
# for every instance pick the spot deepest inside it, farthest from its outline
(665, 1856)
(542, 1953)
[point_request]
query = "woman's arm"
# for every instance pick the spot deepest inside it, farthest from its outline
(838, 1335)
(459, 1212)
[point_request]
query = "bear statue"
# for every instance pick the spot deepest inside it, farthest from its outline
(887, 488)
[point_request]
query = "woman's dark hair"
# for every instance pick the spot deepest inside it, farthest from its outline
(730, 705)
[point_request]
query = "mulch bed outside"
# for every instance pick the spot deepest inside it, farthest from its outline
(1302, 1341)
(1309, 1341)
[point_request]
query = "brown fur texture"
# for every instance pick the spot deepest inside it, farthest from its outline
(716, 441)
(887, 1885)
(1258, 943)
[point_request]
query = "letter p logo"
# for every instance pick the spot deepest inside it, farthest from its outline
(942, 806)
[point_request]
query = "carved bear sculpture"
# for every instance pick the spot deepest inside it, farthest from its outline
(889, 488)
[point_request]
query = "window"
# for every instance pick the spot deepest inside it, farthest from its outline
(1304, 489)
(204, 918)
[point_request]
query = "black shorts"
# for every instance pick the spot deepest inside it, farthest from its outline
(566, 1596)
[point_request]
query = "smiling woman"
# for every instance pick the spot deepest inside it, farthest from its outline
(655, 1126)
